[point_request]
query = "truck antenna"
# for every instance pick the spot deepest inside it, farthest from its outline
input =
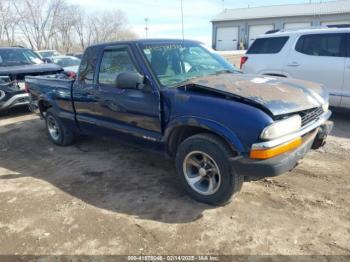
(146, 28)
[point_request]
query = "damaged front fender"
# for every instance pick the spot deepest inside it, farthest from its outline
(214, 127)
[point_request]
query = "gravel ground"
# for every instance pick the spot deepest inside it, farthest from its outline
(99, 197)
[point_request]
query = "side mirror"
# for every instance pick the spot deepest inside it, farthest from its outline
(129, 80)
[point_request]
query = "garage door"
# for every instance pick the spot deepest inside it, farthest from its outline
(256, 30)
(227, 38)
(325, 23)
(289, 26)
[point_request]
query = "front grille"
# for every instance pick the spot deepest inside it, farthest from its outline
(308, 116)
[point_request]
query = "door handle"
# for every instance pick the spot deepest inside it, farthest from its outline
(293, 64)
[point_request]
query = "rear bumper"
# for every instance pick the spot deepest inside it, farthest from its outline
(33, 105)
(286, 162)
(15, 101)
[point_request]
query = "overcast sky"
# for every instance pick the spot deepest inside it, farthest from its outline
(165, 16)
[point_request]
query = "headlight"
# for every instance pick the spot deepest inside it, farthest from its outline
(282, 128)
(325, 107)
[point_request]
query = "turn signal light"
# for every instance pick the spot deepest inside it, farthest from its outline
(275, 151)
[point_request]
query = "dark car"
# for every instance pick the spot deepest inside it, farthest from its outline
(15, 64)
(182, 99)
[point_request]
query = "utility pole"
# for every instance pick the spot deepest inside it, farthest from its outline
(146, 28)
(182, 21)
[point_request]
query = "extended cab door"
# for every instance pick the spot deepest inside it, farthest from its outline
(319, 58)
(345, 101)
(84, 92)
(125, 112)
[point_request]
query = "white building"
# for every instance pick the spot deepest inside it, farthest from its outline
(235, 28)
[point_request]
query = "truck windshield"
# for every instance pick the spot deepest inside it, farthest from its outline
(174, 64)
(13, 57)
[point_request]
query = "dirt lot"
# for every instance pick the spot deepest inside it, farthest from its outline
(98, 197)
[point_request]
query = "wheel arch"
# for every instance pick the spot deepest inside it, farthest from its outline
(181, 129)
(43, 105)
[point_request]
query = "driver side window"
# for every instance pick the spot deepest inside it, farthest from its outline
(114, 62)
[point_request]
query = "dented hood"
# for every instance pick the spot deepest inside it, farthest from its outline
(278, 95)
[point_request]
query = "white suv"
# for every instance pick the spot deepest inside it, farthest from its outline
(318, 55)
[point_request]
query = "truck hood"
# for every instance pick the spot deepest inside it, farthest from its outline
(29, 69)
(276, 94)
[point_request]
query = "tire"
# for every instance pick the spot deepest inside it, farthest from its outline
(63, 136)
(216, 154)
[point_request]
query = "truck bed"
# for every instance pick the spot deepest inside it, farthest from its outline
(53, 81)
(56, 87)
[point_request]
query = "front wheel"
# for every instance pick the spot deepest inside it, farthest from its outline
(203, 168)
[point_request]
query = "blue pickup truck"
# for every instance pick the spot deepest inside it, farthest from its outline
(179, 97)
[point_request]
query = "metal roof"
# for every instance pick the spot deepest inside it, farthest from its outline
(307, 9)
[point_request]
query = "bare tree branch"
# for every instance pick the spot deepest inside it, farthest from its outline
(55, 24)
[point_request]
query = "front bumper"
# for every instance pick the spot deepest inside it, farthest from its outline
(16, 100)
(283, 163)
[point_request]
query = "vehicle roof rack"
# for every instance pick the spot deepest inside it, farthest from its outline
(307, 28)
(272, 31)
(18, 46)
(339, 26)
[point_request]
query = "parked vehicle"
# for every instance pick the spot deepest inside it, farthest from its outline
(77, 55)
(68, 63)
(180, 98)
(47, 53)
(15, 64)
(319, 55)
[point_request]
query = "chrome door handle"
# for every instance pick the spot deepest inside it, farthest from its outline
(293, 64)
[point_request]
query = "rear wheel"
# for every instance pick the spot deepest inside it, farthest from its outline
(57, 131)
(203, 167)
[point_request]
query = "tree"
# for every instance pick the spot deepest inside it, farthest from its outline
(7, 23)
(36, 20)
(56, 24)
(100, 27)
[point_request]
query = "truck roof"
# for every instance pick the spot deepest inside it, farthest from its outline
(150, 41)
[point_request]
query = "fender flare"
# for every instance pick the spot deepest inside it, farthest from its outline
(45, 98)
(225, 133)
(53, 104)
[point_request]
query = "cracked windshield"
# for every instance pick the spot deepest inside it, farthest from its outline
(174, 64)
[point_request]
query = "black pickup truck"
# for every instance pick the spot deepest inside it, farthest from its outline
(15, 64)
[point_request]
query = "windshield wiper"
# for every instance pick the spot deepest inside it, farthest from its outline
(223, 71)
(185, 81)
